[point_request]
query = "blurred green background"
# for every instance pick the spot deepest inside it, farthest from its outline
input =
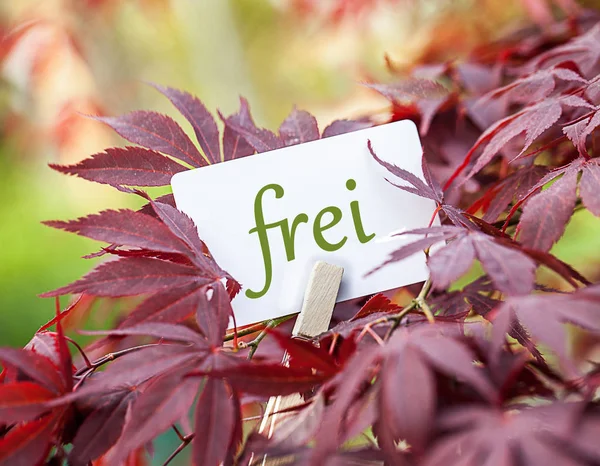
(63, 58)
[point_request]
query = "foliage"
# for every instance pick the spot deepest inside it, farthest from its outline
(473, 375)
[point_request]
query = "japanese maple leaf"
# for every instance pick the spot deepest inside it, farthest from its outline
(547, 213)
(510, 267)
(537, 85)
(166, 149)
(544, 316)
(533, 120)
(584, 50)
(179, 287)
(31, 378)
(579, 131)
(427, 96)
(429, 189)
(514, 187)
(482, 435)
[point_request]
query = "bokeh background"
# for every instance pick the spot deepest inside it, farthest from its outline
(62, 59)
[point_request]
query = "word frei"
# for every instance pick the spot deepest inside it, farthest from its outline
(268, 218)
(289, 233)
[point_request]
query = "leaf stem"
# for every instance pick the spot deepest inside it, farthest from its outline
(184, 443)
(261, 336)
(254, 328)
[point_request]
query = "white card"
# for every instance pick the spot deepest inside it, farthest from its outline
(353, 231)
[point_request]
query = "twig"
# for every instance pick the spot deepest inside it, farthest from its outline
(111, 357)
(253, 328)
(184, 443)
(261, 336)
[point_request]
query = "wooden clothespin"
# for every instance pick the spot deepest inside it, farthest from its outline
(314, 318)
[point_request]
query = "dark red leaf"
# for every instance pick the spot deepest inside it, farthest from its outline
(338, 127)
(305, 354)
(157, 132)
(262, 140)
(131, 166)
(125, 227)
(132, 276)
(299, 127)
(234, 145)
(589, 186)
(199, 117)
(22, 401)
(38, 368)
(101, 429)
(163, 402)
(375, 304)
(269, 379)
(215, 424)
(407, 397)
(214, 312)
(27, 444)
(172, 305)
(546, 214)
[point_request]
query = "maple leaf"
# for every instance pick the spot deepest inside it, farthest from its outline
(427, 96)
(157, 132)
(131, 166)
(537, 85)
(533, 120)
(216, 420)
(299, 127)
(582, 50)
(546, 214)
(514, 187)
(242, 124)
(199, 117)
(579, 131)
(548, 326)
(480, 434)
(376, 304)
(338, 127)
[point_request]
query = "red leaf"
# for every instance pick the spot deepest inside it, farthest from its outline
(215, 424)
(27, 444)
(428, 96)
(375, 304)
(407, 397)
(537, 85)
(22, 401)
(299, 127)
(510, 270)
(589, 186)
(200, 118)
(125, 227)
(132, 276)
(450, 263)
(213, 313)
(167, 331)
(172, 305)
(545, 215)
(338, 127)
(157, 132)
(101, 429)
(268, 379)
(163, 402)
(132, 166)
(262, 140)
(37, 367)
(234, 145)
(305, 354)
